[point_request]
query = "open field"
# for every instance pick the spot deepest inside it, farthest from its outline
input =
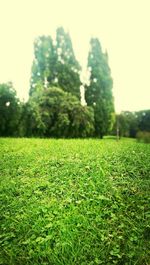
(74, 202)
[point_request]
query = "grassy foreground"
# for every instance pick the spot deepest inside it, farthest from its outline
(74, 202)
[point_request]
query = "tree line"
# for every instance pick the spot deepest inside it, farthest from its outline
(55, 107)
(129, 124)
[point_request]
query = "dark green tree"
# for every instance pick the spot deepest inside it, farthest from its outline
(98, 94)
(10, 110)
(63, 115)
(31, 123)
(143, 118)
(129, 123)
(126, 123)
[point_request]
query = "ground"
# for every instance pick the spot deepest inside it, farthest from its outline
(74, 202)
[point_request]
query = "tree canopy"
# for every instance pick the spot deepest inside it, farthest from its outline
(98, 93)
(62, 115)
(55, 64)
(10, 110)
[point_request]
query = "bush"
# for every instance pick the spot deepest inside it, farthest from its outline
(61, 115)
(143, 137)
(10, 110)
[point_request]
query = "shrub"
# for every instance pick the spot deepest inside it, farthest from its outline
(143, 137)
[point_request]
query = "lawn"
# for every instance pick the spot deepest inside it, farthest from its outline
(74, 202)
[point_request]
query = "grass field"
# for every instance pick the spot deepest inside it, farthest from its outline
(74, 202)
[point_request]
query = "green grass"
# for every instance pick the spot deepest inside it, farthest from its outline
(74, 202)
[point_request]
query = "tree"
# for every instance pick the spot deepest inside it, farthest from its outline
(10, 110)
(82, 121)
(63, 115)
(43, 66)
(31, 123)
(55, 64)
(129, 123)
(68, 68)
(98, 93)
(126, 124)
(143, 117)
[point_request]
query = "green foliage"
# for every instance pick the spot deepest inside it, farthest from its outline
(127, 124)
(49, 112)
(98, 93)
(43, 63)
(67, 68)
(74, 202)
(9, 110)
(130, 123)
(63, 115)
(144, 120)
(55, 64)
(143, 137)
(31, 123)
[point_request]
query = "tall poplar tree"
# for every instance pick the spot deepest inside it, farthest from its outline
(55, 64)
(98, 94)
(67, 67)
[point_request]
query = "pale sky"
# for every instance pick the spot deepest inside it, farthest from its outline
(122, 26)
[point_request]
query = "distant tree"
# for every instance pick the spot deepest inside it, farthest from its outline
(98, 93)
(133, 123)
(10, 110)
(143, 117)
(127, 123)
(123, 124)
